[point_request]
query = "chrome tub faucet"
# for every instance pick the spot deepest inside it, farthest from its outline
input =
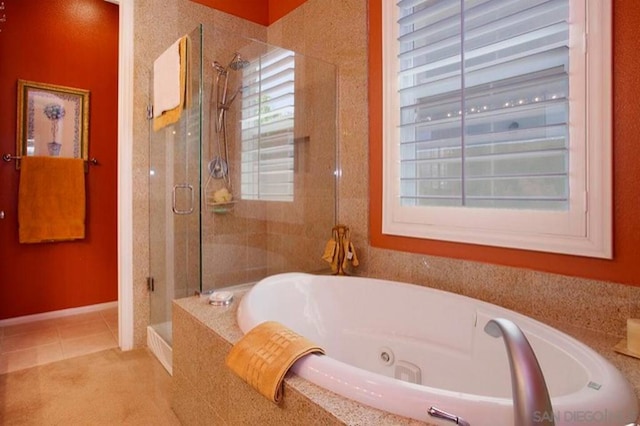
(531, 401)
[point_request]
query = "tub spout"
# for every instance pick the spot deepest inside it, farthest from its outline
(531, 401)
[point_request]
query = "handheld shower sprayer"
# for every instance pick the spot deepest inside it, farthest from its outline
(220, 104)
(223, 102)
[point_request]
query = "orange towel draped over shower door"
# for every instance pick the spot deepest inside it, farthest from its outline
(51, 199)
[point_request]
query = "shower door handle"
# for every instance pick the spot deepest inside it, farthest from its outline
(175, 209)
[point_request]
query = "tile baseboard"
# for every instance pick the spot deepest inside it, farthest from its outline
(58, 314)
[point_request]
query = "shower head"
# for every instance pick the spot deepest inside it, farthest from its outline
(238, 62)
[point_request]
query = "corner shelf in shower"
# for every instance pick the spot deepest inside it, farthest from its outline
(221, 208)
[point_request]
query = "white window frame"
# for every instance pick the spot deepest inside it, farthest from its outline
(586, 227)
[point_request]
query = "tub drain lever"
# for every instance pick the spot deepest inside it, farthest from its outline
(436, 412)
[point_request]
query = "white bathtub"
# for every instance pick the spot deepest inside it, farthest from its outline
(436, 339)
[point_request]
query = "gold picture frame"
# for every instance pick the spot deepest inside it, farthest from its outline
(52, 121)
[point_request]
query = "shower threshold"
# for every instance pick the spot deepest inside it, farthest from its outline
(159, 340)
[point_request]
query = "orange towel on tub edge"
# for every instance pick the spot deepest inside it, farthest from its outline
(263, 356)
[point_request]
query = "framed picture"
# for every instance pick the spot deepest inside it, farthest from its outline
(52, 121)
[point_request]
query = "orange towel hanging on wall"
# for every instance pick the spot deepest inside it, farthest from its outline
(51, 199)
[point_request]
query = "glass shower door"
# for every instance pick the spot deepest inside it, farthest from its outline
(174, 202)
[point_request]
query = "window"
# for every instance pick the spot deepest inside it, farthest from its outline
(267, 128)
(497, 123)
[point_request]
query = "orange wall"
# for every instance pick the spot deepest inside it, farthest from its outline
(263, 12)
(253, 10)
(71, 43)
(279, 8)
(625, 266)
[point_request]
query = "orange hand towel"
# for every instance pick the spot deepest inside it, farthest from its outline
(330, 250)
(51, 199)
(264, 355)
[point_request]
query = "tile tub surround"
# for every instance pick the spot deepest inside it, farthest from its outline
(205, 391)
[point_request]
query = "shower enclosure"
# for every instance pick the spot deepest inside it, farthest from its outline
(244, 185)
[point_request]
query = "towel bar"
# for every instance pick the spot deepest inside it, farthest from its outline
(93, 161)
(9, 157)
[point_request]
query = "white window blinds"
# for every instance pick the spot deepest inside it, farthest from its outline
(497, 123)
(483, 95)
(267, 127)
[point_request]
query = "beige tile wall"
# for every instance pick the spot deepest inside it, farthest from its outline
(256, 238)
(336, 31)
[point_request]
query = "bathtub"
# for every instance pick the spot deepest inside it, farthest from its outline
(403, 348)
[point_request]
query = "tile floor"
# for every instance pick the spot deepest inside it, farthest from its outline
(36, 343)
